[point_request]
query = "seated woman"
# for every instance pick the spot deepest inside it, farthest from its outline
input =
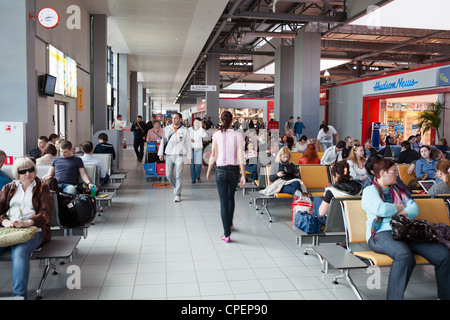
(356, 161)
(425, 164)
(310, 156)
(301, 144)
(25, 202)
(48, 155)
(381, 201)
(343, 186)
(284, 141)
(251, 160)
(286, 170)
(442, 172)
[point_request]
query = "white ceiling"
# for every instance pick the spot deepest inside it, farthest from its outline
(163, 38)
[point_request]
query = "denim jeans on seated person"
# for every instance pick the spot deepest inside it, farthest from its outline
(291, 188)
(20, 254)
(68, 188)
(227, 179)
(403, 254)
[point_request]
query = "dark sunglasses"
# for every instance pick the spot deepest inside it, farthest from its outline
(23, 171)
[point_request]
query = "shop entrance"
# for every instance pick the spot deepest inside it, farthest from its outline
(398, 114)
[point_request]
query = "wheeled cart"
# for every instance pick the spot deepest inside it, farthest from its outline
(154, 168)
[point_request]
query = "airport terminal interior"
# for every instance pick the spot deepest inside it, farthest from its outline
(370, 69)
(145, 246)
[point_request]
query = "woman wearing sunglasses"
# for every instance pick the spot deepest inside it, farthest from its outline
(383, 199)
(25, 202)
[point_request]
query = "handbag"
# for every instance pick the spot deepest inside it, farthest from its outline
(407, 229)
(300, 203)
(13, 236)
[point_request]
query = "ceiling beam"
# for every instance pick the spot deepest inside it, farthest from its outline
(286, 17)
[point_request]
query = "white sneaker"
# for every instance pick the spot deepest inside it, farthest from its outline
(177, 199)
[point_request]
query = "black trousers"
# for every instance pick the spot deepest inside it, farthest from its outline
(139, 147)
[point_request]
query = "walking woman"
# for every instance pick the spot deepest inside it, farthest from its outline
(228, 152)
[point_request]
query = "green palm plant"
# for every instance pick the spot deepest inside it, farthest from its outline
(431, 118)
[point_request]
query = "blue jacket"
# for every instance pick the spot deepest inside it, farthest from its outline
(298, 127)
(423, 166)
(374, 206)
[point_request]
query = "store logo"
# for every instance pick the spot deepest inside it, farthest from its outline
(444, 76)
(401, 83)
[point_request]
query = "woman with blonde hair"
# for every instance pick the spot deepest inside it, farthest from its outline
(356, 162)
(286, 170)
(25, 202)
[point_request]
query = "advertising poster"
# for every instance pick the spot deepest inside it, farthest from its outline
(70, 77)
(56, 64)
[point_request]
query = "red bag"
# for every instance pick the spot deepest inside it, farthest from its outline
(301, 203)
(161, 169)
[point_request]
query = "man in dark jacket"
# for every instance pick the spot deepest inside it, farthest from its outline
(407, 155)
(139, 130)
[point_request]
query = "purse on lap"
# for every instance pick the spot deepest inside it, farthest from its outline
(407, 229)
(13, 236)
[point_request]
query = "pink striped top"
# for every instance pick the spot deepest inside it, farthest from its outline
(227, 143)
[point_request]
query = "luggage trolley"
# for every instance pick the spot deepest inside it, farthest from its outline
(153, 167)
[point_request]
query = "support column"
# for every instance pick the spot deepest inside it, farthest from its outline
(99, 72)
(18, 78)
(307, 81)
(133, 96)
(284, 85)
(213, 79)
(122, 87)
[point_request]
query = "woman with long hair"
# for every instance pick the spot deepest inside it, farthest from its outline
(356, 161)
(286, 170)
(425, 164)
(310, 156)
(442, 172)
(382, 200)
(228, 151)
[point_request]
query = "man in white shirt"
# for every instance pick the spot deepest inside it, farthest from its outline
(197, 134)
(89, 159)
(118, 124)
(174, 148)
(333, 154)
(325, 137)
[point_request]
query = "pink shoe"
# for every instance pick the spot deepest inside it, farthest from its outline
(226, 239)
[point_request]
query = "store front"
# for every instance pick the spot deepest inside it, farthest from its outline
(392, 104)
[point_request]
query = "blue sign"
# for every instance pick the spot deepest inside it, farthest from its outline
(444, 76)
(401, 83)
(376, 134)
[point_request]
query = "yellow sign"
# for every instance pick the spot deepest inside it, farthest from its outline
(80, 98)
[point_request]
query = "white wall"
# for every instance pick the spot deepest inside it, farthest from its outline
(76, 44)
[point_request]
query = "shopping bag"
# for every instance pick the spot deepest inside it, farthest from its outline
(300, 203)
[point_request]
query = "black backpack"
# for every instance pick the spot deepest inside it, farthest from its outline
(76, 211)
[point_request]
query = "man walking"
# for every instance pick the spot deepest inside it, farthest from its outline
(298, 128)
(174, 147)
(138, 129)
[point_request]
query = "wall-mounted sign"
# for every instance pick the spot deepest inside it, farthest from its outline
(80, 98)
(444, 76)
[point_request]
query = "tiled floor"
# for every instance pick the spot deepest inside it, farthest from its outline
(145, 246)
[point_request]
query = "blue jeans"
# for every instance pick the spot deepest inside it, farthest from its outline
(291, 188)
(252, 168)
(20, 254)
(196, 164)
(68, 188)
(403, 254)
(227, 178)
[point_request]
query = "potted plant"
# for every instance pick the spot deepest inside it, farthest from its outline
(431, 119)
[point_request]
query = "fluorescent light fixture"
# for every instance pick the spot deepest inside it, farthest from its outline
(415, 14)
(249, 86)
(230, 95)
(268, 69)
(326, 64)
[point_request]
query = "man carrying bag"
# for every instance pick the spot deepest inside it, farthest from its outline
(174, 147)
(138, 129)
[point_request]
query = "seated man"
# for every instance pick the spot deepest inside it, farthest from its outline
(4, 178)
(407, 155)
(67, 168)
(333, 154)
(104, 146)
(89, 159)
(36, 152)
